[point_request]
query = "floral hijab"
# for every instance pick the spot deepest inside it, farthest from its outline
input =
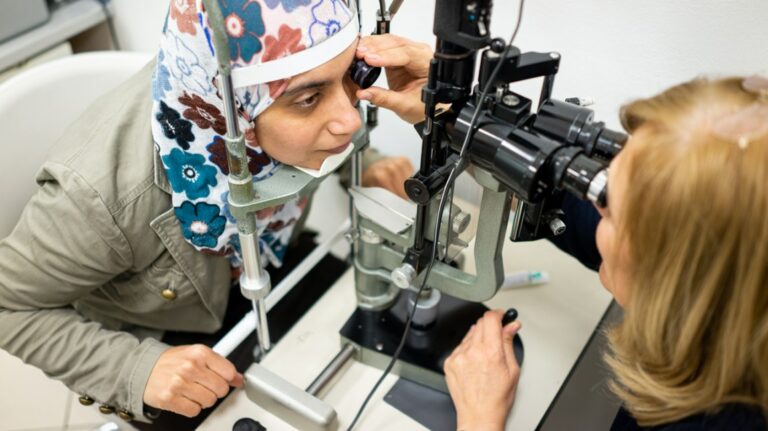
(187, 116)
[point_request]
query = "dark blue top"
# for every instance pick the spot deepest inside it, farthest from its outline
(739, 417)
(578, 240)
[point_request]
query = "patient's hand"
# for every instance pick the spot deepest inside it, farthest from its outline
(407, 66)
(482, 374)
(389, 173)
(187, 379)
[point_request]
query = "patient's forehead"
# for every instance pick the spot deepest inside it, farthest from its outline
(325, 73)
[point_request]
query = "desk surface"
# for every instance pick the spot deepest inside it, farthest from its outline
(558, 319)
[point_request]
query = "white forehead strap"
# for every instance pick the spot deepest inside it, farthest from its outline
(300, 62)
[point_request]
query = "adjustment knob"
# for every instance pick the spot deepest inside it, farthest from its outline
(556, 226)
(403, 276)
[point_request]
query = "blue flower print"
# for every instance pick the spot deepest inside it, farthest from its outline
(251, 99)
(242, 19)
(175, 127)
(186, 68)
(161, 78)
(207, 32)
(201, 223)
(274, 243)
(188, 173)
(327, 16)
(288, 5)
(234, 242)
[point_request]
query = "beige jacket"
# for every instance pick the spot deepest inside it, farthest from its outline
(81, 275)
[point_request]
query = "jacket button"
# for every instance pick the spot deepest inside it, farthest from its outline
(85, 400)
(151, 412)
(106, 409)
(125, 415)
(169, 294)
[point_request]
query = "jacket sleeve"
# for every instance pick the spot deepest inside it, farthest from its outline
(66, 245)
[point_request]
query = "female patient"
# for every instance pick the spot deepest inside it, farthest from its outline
(684, 242)
(130, 235)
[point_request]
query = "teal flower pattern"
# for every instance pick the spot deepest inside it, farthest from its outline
(201, 223)
(242, 19)
(188, 173)
(289, 5)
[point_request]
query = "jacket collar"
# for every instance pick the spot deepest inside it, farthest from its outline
(161, 179)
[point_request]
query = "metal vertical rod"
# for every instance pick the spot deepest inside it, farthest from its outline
(255, 285)
(230, 112)
(355, 181)
(254, 282)
(262, 326)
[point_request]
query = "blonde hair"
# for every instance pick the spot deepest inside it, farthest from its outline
(695, 330)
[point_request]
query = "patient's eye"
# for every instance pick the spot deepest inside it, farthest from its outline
(308, 102)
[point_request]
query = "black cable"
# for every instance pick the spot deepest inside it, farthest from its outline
(458, 166)
(359, 16)
(382, 7)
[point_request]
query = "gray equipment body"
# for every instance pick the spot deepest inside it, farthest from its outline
(381, 231)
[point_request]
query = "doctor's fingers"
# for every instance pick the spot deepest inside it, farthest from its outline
(490, 329)
(406, 104)
(414, 58)
(507, 344)
(380, 42)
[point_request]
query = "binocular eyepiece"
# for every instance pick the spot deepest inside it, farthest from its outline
(573, 125)
(558, 148)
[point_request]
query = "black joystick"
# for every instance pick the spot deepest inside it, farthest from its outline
(509, 317)
(248, 424)
(517, 344)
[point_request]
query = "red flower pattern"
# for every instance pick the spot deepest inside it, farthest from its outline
(185, 14)
(205, 115)
(287, 42)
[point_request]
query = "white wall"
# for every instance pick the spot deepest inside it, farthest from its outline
(138, 23)
(613, 50)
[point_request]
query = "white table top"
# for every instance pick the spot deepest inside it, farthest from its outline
(558, 318)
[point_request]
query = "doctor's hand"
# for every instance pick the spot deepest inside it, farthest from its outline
(406, 64)
(187, 379)
(482, 374)
(389, 173)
